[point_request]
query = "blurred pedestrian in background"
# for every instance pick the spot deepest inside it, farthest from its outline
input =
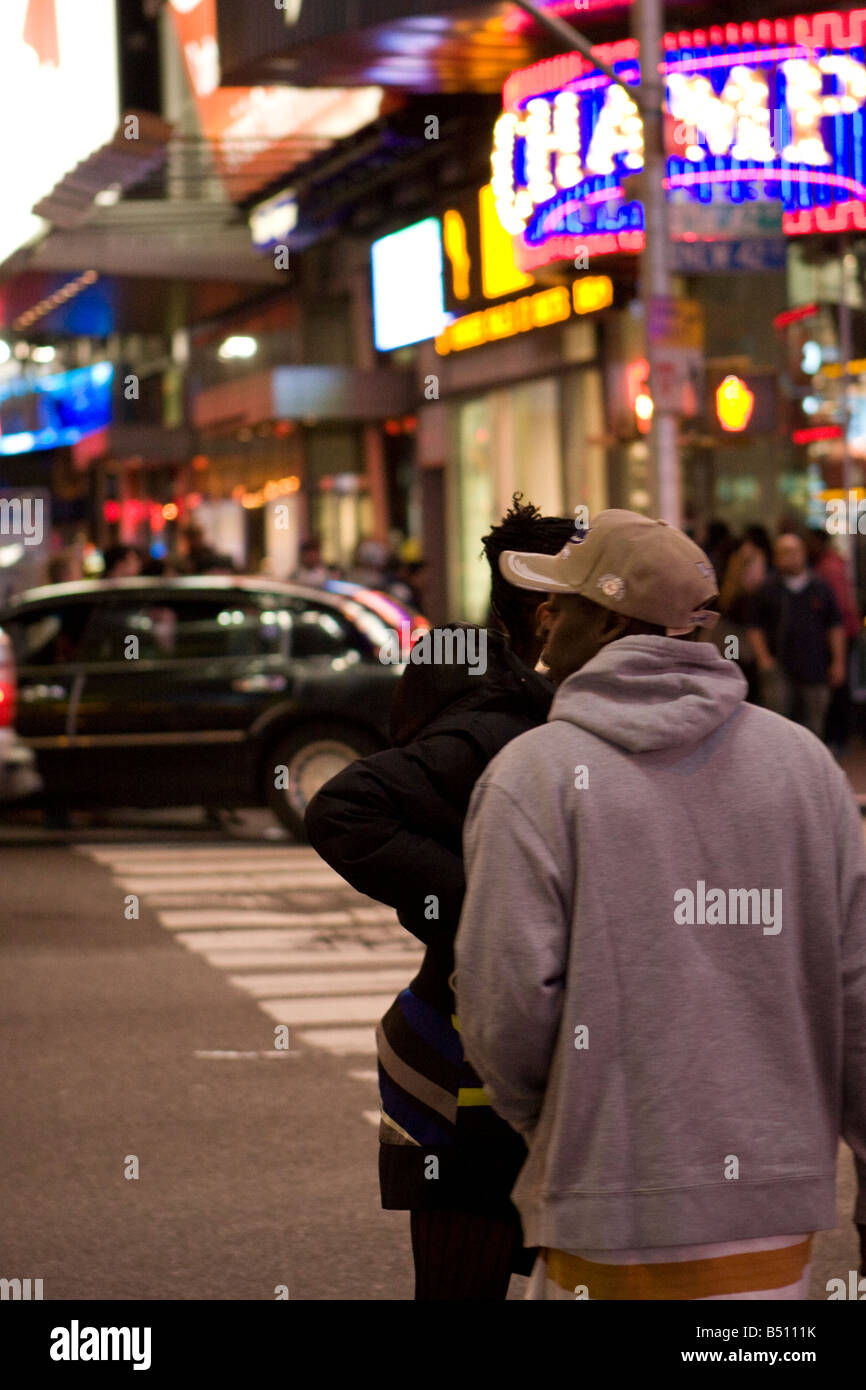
(719, 545)
(369, 564)
(391, 824)
(661, 959)
(64, 568)
(829, 565)
(311, 569)
(747, 569)
(197, 555)
(404, 575)
(121, 562)
(797, 635)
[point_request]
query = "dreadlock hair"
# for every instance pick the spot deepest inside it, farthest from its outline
(522, 528)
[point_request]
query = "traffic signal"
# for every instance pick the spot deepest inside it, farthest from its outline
(741, 407)
(734, 403)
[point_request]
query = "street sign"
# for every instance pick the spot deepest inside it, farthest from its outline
(676, 380)
(718, 220)
(675, 323)
(675, 330)
(718, 257)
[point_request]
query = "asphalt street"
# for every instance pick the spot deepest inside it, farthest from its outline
(147, 1045)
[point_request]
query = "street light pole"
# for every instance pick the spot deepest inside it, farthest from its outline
(655, 274)
(655, 278)
(846, 352)
(573, 39)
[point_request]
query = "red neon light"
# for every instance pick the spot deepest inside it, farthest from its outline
(816, 432)
(830, 29)
(636, 374)
(561, 248)
(518, 22)
(553, 74)
(808, 311)
(835, 217)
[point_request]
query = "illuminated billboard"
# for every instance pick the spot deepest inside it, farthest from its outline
(50, 411)
(766, 116)
(258, 131)
(58, 101)
(408, 289)
(437, 278)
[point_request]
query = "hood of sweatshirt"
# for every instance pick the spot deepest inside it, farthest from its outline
(646, 693)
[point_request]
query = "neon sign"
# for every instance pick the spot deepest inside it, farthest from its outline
(587, 296)
(770, 112)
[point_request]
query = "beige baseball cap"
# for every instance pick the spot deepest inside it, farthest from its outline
(630, 563)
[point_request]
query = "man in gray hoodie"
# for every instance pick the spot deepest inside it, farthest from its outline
(661, 959)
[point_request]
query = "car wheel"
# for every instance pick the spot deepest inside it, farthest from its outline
(302, 762)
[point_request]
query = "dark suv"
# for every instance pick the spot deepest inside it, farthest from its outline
(216, 691)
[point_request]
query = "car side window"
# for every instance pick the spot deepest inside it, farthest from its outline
(50, 636)
(165, 628)
(319, 630)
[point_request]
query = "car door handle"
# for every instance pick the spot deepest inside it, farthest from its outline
(253, 684)
(29, 694)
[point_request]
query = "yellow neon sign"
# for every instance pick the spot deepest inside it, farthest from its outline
(587, 295)
(835, 369)
(454, 239)
(277, 487)
(500, 273)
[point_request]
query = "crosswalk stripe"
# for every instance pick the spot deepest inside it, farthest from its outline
(274, 938)
(213, 898)
(342, 1042)
(259, 960)
(200, 854)
(186, 918)
(231, 882)
(304, 984)
(357, 1008)
(330, 989)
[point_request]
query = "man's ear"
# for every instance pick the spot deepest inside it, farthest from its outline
(542, 613)
(613, 627)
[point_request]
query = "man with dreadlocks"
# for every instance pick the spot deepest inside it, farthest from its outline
(392, 825)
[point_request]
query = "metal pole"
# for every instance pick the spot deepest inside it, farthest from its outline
(647, 26)
(846, 351)
(655, 279)
(572, 38)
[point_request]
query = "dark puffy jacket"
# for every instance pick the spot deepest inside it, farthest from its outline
(392, 826)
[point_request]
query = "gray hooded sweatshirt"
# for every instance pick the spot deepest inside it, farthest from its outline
(661, 960)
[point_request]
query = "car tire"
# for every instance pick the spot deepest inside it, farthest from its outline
(311, 756)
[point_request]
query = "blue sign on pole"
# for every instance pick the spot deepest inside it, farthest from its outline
(708, 257)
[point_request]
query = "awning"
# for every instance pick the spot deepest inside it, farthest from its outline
(416, 45)
(140, 145)
(309, 394)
